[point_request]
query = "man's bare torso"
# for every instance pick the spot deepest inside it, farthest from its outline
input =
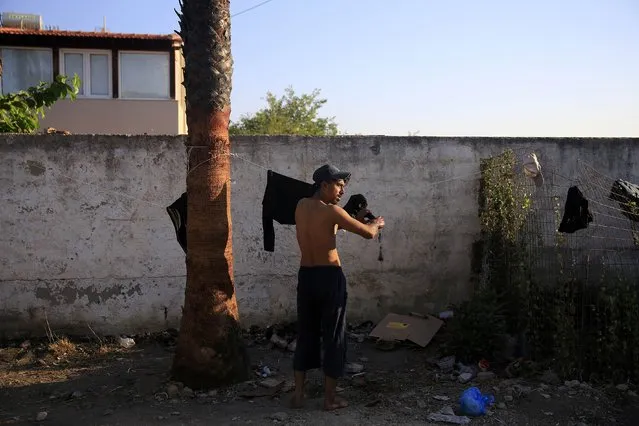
(316, 229)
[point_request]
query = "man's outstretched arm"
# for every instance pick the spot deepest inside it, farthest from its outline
(361, 217)
(346, 222)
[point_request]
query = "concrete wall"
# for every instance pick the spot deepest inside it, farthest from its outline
(86, 238)
(118, 116)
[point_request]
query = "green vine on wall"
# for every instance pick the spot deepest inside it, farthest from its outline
(503, 208)
(503, 203)
(496, 310)
(581, 320)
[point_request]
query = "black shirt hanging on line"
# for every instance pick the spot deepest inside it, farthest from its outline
(177, 213)
(576, 213)
(280, 201)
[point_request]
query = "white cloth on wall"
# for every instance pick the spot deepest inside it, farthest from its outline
(532, 168)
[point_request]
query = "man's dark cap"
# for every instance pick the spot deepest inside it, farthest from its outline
(328, 172)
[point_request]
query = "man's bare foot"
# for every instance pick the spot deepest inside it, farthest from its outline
(336, 404)
(297, 401)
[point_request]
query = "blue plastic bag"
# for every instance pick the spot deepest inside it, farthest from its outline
(473, 403)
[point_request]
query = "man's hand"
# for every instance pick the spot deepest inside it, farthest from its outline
(379, 221)
(345, 221)
(361, 215)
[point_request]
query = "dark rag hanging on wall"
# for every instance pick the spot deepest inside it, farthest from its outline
(280, 200)
(177, 213)
(576, 214)
(627, 195)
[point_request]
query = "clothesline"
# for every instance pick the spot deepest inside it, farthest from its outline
(606, 228)
(232, 154)
(98, 188)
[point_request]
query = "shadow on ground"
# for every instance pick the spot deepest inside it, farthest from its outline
(101, 383)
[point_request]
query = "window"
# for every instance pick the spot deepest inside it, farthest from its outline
(24, 68)
(93, 68)
(144, 75)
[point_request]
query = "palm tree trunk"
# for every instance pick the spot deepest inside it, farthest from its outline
(209, 351)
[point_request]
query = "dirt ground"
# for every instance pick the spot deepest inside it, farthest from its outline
(86, 382)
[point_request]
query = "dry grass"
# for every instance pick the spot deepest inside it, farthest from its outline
(105, 349)
(62, 347)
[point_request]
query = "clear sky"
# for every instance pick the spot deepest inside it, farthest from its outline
(437, 67)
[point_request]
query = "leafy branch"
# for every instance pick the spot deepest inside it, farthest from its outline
(21, 111)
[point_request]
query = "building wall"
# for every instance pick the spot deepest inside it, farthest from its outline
(119, 116)
(123, 116)
(86, 238)
(116, 116)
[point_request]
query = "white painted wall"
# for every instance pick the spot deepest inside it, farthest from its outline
(88, 239)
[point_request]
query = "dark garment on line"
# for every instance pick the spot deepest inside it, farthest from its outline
(576, 214)
(321, 318)
(355, 203)
(627, 195)
(280, 200)
(177, 213)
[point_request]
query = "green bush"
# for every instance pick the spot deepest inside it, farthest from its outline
(478, 327)
(581, 329)
(20, 112)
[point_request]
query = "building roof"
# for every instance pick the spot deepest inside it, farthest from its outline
(87, 34)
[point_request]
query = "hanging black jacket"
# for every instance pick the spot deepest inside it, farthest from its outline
(576, 214)
(280, 200)
(177, 213)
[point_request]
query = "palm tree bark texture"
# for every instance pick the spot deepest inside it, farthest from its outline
(210, 352)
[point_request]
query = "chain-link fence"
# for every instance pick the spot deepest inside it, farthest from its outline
(570, 297)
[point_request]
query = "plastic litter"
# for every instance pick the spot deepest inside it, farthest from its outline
(264, 371)
(483, 365)
(446, 314)
(447, 415)
(466, 369)
(465, 377)
(354, 368)
(126, 342)
(447, 363)
(279, 341)
(473, 403)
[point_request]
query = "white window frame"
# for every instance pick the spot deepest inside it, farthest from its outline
(86, 68)
(145, 52)
(48, 49)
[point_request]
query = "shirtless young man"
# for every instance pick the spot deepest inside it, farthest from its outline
(321, 288)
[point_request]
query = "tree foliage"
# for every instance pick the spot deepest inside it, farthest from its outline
(289, 114)
(20, 112)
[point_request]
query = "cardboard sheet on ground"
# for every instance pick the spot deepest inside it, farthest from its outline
(418, 329)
